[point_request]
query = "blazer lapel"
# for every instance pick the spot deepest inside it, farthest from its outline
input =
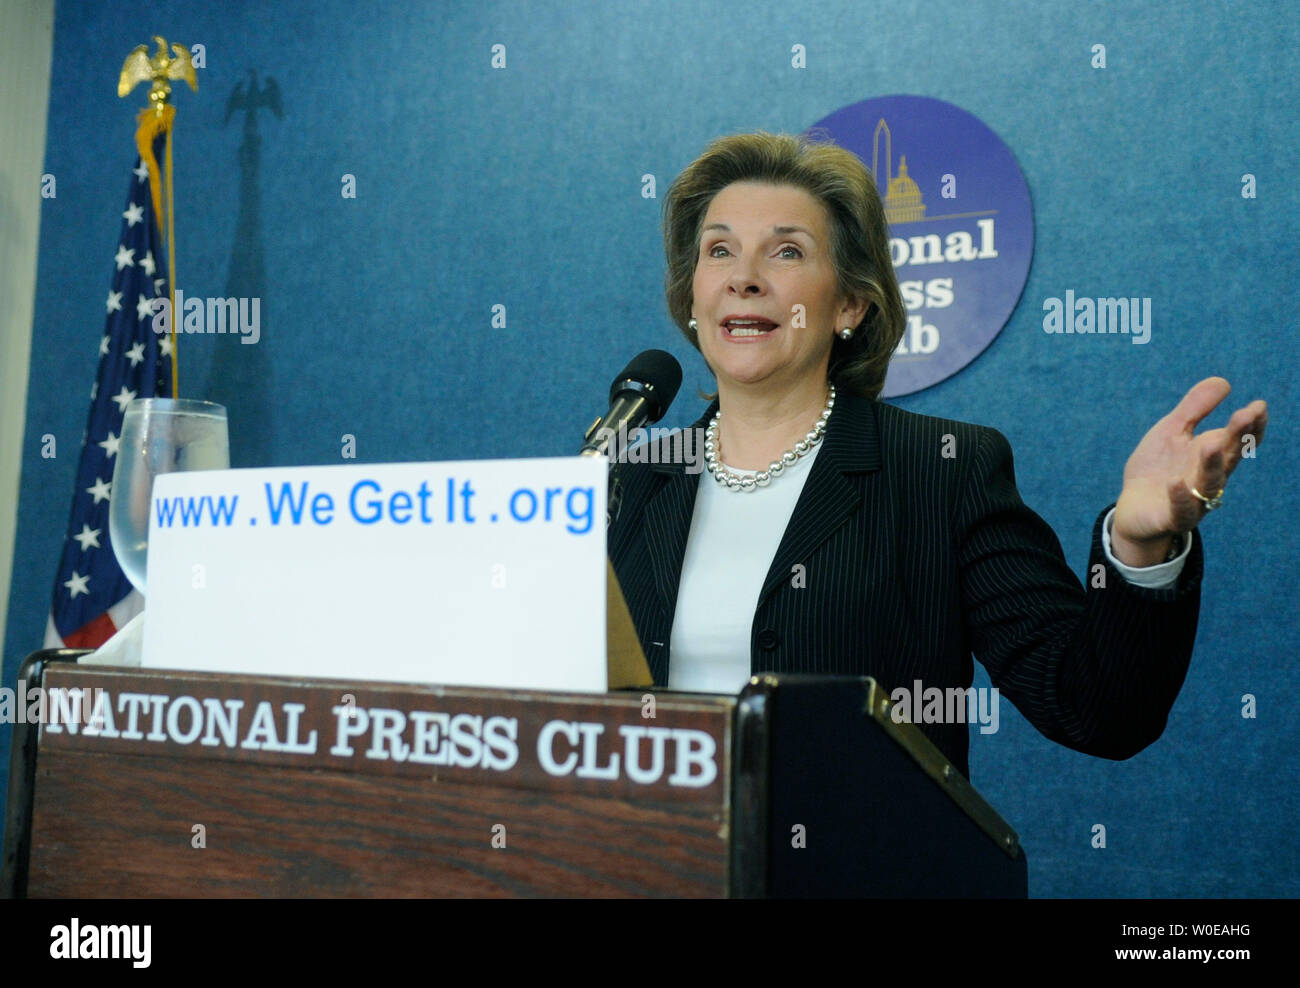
(851, 446)
(668, 521)
(668, 524)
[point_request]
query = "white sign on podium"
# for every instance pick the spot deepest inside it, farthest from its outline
(475, 573)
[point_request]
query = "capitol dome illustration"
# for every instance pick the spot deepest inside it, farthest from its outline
(903, 202)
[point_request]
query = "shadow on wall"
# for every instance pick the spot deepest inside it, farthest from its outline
(240, 373)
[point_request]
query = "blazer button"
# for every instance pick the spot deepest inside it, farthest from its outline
(768, 639)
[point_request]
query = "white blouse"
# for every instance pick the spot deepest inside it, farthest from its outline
(734, 538)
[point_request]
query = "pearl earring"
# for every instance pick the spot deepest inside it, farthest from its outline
(846, 333)
(694, 326)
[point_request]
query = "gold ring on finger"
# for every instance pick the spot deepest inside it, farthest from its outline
(1211, 502)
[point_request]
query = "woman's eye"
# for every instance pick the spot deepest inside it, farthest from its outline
(794, 252)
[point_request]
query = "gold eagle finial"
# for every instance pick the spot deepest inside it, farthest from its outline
(139, 67)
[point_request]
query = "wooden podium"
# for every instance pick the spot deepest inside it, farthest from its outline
(202, 785)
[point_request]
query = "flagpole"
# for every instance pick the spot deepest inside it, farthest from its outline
(159, 118)
(171, 266)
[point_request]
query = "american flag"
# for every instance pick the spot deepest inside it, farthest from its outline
(92, 596)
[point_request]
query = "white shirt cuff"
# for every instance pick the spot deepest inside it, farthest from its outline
(1158, 577)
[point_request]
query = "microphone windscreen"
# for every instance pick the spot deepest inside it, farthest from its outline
(655, 374)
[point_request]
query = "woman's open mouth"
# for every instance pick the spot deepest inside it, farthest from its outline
(742, 328)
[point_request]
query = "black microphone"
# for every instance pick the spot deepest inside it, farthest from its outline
(640, 393)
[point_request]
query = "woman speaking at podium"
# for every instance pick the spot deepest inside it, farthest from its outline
(834, 534)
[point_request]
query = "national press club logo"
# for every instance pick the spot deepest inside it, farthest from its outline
(961, 227)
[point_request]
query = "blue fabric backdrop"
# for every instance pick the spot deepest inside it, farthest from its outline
(522, 187)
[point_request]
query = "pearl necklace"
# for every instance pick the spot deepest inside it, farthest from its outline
(734, 481)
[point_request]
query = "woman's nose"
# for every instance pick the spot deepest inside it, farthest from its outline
(744, 279)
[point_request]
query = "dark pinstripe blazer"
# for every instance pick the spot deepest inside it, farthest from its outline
(913, 560)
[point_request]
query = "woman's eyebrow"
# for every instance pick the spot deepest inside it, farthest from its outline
(781, 230)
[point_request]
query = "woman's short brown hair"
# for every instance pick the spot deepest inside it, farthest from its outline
(839, 180)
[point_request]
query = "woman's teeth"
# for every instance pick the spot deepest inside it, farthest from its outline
(748, 328)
